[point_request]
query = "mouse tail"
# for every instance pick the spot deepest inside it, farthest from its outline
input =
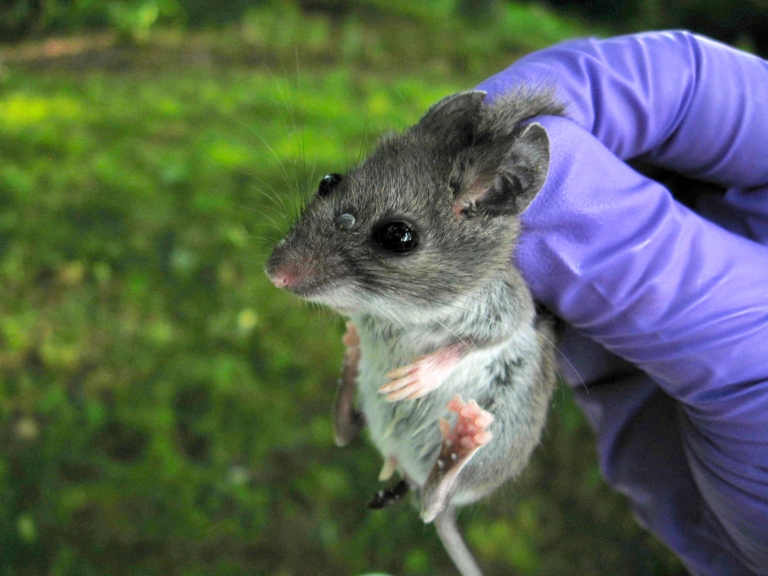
(454, 544)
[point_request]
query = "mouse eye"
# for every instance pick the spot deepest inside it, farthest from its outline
(327, 184)
(398, 237)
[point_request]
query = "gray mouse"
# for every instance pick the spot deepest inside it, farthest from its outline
(447, 362)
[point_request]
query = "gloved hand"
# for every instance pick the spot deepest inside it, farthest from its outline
(668, 346)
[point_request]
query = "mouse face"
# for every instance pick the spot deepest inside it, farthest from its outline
(429, 216)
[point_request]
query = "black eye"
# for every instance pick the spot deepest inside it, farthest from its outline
(327, 184)
(398, 237)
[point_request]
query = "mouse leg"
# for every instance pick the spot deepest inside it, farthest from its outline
(458, 447)
(424, 374)
(389, 468)
(347, 420)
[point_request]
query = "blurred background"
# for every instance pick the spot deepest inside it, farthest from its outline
(163, 409)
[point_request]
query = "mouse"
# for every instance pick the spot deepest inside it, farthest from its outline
(448, 362)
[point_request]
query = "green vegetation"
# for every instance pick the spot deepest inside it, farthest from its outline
(164, 410)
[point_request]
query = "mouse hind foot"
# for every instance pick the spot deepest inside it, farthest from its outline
(389, 496)
(459, 445)
(347, 420)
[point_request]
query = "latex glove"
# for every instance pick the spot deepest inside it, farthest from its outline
(646, 282)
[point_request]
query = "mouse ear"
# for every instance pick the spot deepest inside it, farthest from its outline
(508, 189)
(453, 120)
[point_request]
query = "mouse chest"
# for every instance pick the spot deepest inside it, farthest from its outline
(408, 429)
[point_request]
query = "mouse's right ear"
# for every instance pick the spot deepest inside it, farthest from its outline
(507, 188)
(453, 120)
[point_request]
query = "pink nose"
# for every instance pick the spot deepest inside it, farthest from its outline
(281, 279)
(291, 276)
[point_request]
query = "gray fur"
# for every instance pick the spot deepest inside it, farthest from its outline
(461, 176)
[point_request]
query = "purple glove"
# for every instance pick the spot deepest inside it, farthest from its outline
(645, 282)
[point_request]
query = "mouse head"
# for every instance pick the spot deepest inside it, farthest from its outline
(429, 216)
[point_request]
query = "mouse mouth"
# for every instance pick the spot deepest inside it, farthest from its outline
(340, 298)
(307, 291)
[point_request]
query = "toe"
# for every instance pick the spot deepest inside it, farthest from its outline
(456, 404)
(400, 394)
(394, 385)
(482, 438)
(402, 371)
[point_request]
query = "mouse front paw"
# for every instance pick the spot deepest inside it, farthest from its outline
(423, 375)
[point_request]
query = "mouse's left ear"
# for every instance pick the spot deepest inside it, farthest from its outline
(453, 120)
(508, 188)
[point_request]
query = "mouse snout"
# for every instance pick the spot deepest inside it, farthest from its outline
(284, 278)
(290, 276)
(280, 279)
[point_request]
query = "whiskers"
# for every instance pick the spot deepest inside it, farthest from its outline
(562, 355)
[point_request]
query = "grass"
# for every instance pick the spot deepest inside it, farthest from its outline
(163, 409)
